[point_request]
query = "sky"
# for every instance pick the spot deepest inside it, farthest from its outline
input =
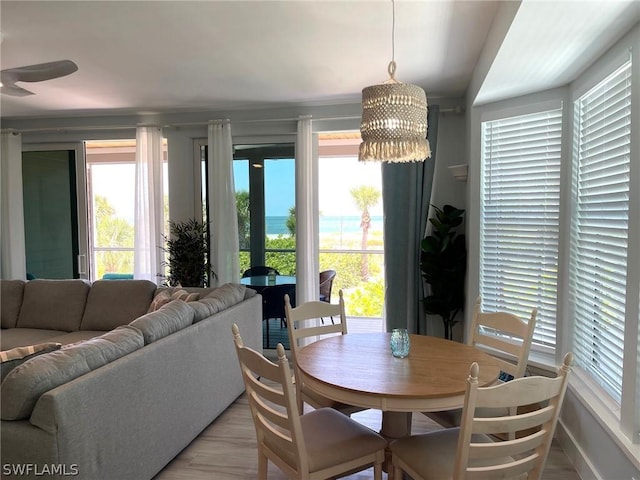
(337, 176)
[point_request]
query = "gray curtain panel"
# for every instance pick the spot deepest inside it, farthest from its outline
(406, 194)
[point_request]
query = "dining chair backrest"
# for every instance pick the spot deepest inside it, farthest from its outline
(505, 335)
(259, 270)
(298, 444)
(326, 284)
(273, 405)
(472, 451)
(512, 457)
(300, 327)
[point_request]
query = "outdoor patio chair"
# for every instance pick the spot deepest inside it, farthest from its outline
(259, 270)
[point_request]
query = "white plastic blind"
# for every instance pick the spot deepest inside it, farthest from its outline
(600, 227)
(520, 195)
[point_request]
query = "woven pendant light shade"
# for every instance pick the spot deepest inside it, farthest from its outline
(394, 123)
(394, 119)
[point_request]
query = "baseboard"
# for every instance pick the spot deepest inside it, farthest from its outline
(570, 447)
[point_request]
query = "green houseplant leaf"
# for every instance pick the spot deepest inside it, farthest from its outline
(443, 263)
(187, 251)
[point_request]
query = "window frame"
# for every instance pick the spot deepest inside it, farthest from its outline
(626, 414)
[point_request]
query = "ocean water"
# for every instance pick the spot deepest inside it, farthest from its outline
(276, 225)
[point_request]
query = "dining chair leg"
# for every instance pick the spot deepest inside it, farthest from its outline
(267, 327)
(263, 466)
(395, 472)
(377, 471)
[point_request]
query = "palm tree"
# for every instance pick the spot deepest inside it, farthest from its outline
(244, 217)
(112, 231)
(291, 221)
(365, 196)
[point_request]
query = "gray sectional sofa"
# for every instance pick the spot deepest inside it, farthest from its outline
(128, 388)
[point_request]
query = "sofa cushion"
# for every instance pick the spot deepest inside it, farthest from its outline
(172, 317)
(21, 337)
(24, 385)
(112, 303)
(53, 304)
(68, 338)
(11, 292)
(219, 299)
(109, 346)
(17, 356)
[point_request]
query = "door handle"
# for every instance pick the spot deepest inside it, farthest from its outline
(82, 264)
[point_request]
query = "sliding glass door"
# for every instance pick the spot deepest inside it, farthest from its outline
(55, 217)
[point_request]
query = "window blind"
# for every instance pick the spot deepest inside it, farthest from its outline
(520, 195)
(600, 227)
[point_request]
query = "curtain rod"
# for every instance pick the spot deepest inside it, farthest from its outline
(63, 129)
(456, 109)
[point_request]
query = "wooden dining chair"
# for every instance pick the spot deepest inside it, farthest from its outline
(505, 336)
(318, 445)
(297, 319)
(469, 452)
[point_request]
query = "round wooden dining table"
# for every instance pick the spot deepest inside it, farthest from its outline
(358, 369)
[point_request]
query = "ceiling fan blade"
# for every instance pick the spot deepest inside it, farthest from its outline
(14, 91)
(39, 72)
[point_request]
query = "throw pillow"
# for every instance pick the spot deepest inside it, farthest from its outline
(179, 294)
(192, 297)
(17, 356)
(169, 294)
(159, 300)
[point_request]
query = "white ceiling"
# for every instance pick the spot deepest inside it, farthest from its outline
(168, 56)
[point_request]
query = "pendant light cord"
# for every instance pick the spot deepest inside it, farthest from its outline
(392, 64)
(393, 31)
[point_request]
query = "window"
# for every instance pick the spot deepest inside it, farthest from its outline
(111, 208)
(520, 202)
(351, 240)
(111, 198)
(264, 179)
(599, 231)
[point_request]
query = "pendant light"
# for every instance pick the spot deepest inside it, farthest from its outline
(394, 118)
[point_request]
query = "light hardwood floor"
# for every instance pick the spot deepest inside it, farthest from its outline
(226, 450)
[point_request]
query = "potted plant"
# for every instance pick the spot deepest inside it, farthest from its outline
(443, 262)
(187, 251)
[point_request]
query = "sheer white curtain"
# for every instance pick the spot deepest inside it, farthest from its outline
(221, 192)
(13, 266)
(149, 205)
(307, 262)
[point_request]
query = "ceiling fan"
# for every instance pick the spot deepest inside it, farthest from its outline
(33, 73)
